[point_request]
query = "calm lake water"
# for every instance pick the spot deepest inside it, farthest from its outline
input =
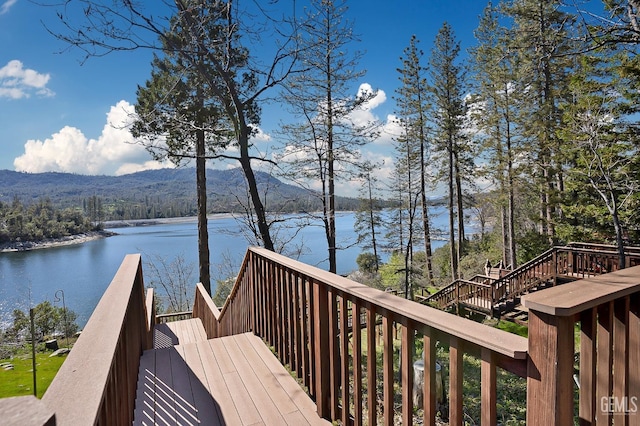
(83, 271)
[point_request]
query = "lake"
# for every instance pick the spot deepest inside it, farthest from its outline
(83, 271)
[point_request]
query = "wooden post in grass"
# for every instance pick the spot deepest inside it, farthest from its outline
(33, 351)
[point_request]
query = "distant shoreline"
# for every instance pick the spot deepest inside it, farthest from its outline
(18, 246)
(162, 221)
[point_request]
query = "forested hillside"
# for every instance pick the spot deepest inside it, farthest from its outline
(154, 193)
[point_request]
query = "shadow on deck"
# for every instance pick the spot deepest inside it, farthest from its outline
(188, 379)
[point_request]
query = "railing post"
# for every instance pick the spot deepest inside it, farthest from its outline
(321, 346)
(555, 266)
(549, 370)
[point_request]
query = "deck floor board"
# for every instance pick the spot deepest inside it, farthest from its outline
(233, 380)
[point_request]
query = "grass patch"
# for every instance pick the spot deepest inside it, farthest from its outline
(512, 327)
(19, 381)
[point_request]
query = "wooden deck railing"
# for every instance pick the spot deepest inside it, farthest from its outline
(607, 309)
(305, 315)
(97, 382)
(572, 262)
(300, 311)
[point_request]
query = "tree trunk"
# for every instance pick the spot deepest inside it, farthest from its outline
(505, 233)
(460, 211)
(203, 232)
(331, 231)
(254, 192)
(425, 212)
(452, 234)
(619, 239)
(372, 224)
(511, 215)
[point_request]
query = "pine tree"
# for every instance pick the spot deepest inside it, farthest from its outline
(179, 108)
(413, 104)
(494, 111)
(541, 39)
(603, 136)
(447, 84)
(323, 145)
(368, 218)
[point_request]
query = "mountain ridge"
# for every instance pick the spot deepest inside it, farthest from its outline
(158, 193)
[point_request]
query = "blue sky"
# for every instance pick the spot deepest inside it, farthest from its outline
(58, 114)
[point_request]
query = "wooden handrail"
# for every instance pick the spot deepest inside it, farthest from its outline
(607, 307)
(574, 261)
(306, 314)
(300, 311)
(206, 310)
(97, 382)
(150, 306)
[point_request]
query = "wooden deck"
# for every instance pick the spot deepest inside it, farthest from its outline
(234, 380)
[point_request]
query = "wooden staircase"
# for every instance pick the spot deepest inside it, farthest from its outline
(188, 379)
(500, 297)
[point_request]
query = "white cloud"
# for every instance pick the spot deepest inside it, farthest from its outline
(6, 6)
(364, 114)
(69, 150)
(260, 135)
(389, 131)
(16, 82)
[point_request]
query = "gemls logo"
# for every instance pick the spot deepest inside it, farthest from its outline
(618, 405)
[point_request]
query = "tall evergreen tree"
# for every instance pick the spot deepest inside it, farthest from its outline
(603, 134)
(541, 38)
(494, 112)
(447, 84)
(408, 188)
(413, 109)
(323, 144)
(179, 108)
(368, 218)
(237, 83)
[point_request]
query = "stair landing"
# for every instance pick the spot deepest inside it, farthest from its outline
(233, 380)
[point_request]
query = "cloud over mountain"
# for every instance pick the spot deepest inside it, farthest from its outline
(114, 152)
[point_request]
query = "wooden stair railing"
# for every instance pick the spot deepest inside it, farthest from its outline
(607, 310)
(299, 311)
(446, 296)
(572, 262)
(97, 382)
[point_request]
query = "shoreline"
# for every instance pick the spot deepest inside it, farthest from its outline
(162, 221)
(20, 246)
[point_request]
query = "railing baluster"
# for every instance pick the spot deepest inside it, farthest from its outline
(387, 369)
(408, 334)
(344, 359)
(321, 340)
(588, 404)
(291, 319)
(488, 388)
(334, 354)
(280, 315)
(297, 324)
(455, 381)
(620, 351)
(429, 386)
(605, 361)
(357, 362)
(313, 378)
(372, 393)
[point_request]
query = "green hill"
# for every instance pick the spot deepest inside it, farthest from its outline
(157, 193)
